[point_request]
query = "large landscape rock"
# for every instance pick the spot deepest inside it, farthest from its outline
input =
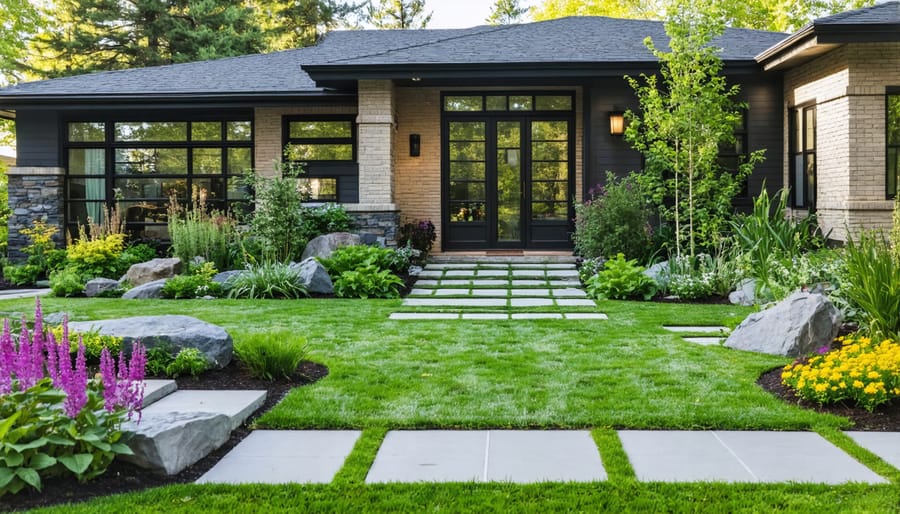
(323, 246)
(745, 294)
(795, 326)
(152, 270)
(97, 286)
(314, 276)
(173, 331)
(146, 291)
(171, 441)
(225, 276)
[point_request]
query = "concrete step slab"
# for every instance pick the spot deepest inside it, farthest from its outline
(525, 457)
(569, 292)
(237, 405)
(454, 282)
(529, 273)
(424, 315)
(537, 315)
(492, 273)
(884, 444)
(531, 302)
(575, 302)
(416, 291)
(485, 315)
(528, 282)
(531, 292)
(425, 283)
(454, 302)
(586, 315)
(705, 341)
(284, 456)
(490, 282)
(496, 293)
(156, 389)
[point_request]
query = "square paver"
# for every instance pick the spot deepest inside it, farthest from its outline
(570, 292)
(421, 292)
(884, 444)
(426, 282)
(455, 282)
(575, 302)
(423, 315)
(485, 315)
(586, 315)
(284, 456)
(493, 273)
(531, 302)
(681, 456)
(430, 456)
(528, 282)
(562, 273)
(530, 292)
(490, 282)
(537, 315)
(705, 341)
(451, 292)
(498, 293)
(460, 273)
(454, 302)
(543, 456)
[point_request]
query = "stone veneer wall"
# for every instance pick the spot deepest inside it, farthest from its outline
(382, 224)
(848, 87)
(34, 193)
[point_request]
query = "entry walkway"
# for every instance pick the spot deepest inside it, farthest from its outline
(498, 291)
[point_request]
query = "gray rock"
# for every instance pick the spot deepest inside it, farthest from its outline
(314, 277)
(415, 270)
(745, 294)
(100, 285)
(175, 332)
(146, 291)
(796, 326)
(659, 272)
(225, 276)
(152, 270)
(323, 246)
(171, 441)
(368, 239)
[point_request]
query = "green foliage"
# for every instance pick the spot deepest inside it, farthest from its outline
(506, 12)
(398, 14)
(589, 268)
(873, 284)
(96, 257)
(271, 355)
(368, 281)
(66, 282)
(93, 341)
(188, 361)
(349, 258)
(5, 211)
(703, 276)
(419, 235)
(158, 360)
(38, 440)
(198, 232)
(196, 285)
(40, 251)
(325, 219)
(267, 280)
(22, 274)
(615, 219)
(277, 222)
(621, 279)
(682, 123)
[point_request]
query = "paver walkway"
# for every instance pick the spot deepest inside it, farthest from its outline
(503, 288)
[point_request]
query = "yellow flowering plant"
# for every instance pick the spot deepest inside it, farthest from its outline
(862, 371)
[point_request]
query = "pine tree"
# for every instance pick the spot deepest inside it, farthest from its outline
(506, 12)
(302, 22)
(399, 14)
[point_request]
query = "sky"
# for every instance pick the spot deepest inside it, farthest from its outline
(450, 14)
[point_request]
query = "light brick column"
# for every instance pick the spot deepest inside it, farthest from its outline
(376, 127)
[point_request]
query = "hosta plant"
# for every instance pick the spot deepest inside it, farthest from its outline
(621, 279)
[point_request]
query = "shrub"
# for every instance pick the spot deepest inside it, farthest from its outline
(325, 219)
(861, 371)
(40, 236)
(277, 221)
(158, 359)
(368, 281)
(94, 343)
(621, 279)
(615, 219)
(267, 280)
(95, 257)
(138, 253)
(66, 282)
(196, 285)
(55, 420)
(22, 274)
(873, 284)
(419, 235)
(704, 275)
(349, 258)
(188, 361)
(271, 355)
(199, 232)
(589, 268)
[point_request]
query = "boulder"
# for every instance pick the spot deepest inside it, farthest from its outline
(793, 327)
(225, 276)
(745, 294)
(146, 291)
(168, 442)
(100, 285)
(323, 246)
(314, 276)
(173, 331)
(152, 270)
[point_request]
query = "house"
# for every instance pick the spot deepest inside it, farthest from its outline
(8, 155)
(492, 132)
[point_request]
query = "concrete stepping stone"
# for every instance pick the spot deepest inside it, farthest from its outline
(237, 405)
(485, 315)
(527, 282)
(494, 266)
(537, 315)
(697, 329)
(156, 389)
(572, 282)
(421, 292)
(531, 302)
(569, 292)
(284, 456)
(426, 282)
(11, 294)
(562, 273)
(884, 444)
(492, 273)
(451, 292)
(423, 315)
(529, 273)
(484, 456)
(433, 266)
(586, 315)
(490, 282)
(705, 341)
(454, 282)
(454, 302)
(460, 273)
(733, 456)
(497, 293)
(575, 302)
(431, 274)
(530, 292)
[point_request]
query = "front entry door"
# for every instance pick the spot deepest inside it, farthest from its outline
(508, 182)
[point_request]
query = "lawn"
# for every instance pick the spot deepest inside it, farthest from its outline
(626, 372)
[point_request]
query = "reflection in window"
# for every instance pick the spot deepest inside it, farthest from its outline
(462, 103)
(520, 102)
(151, 131)
(311, 140)
(87, 132)
(802, 123)
(319, 189)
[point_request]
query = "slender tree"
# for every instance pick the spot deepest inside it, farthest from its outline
(303, 22)
(399, 14)
(506, 12)
(682, 123)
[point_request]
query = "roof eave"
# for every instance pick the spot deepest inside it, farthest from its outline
(9, 102)
(817, 39)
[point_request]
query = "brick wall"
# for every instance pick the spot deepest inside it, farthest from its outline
(376, 127)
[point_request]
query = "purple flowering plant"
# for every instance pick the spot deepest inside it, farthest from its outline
(54, 417)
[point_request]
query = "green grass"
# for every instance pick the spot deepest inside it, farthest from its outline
(626, 372)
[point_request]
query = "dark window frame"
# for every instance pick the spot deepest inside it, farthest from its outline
(508, 94)
(325, 169)
(808, 201)
(893, 91)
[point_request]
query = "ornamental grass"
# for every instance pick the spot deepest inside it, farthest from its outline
(861, 370)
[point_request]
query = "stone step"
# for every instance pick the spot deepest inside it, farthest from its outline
(401, 316)
(497, 302)
(500, 259)
(237, 405)
(157, 389)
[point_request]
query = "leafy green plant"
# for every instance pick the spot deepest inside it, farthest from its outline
(703, 276)
(420, 235)
(348, 258)
(368, 281)
(589, 268)
(200, 232)
(93, 342)
(66, 282)
(22, 274)
(135, 254)
(615, 219)
(325, 219)
(93, 257)
(621, 279)
(196, 285)
(271, 355)
(158, 359)
(188, 361)
(277, 221)
(267, 280)
(873, 283)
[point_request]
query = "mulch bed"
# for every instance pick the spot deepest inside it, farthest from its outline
(122, 477)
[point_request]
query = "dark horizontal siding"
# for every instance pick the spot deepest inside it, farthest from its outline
(608, 152)
(37, 138)
(765, 131)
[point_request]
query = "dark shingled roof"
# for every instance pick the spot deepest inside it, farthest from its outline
(886, 13)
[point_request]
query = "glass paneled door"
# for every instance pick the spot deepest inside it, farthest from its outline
(508, 182)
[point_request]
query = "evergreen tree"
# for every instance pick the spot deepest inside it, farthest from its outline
(399, 14)
(19, 20)
(97, 35)
(302, 22)
(506, 12)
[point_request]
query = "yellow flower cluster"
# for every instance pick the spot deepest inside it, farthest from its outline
(861, 370)
(40, 234)
(97, 250)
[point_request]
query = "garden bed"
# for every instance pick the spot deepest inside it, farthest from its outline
(123, 477)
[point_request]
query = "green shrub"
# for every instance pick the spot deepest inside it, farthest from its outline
(349, 258)
(616, 219)
(66, 282)
(196, 285)
(271, 355)
(96, 257)
(325, 219)
(93, 341)
(22, 274)
(873, 284)
(200, 232)
(589, 268)
(419, 235)
(158, 359)
(267, 280)
(133, 255)
(188, 361)
(703, 276)
(368, 282)
(277, 221)
(621, 279)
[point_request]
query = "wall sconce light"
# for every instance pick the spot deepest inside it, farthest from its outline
(415, 145)
(616, 123)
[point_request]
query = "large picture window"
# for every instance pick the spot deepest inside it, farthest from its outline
(325, 146)
(802, 125)
(142, 164)
(893, 143)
